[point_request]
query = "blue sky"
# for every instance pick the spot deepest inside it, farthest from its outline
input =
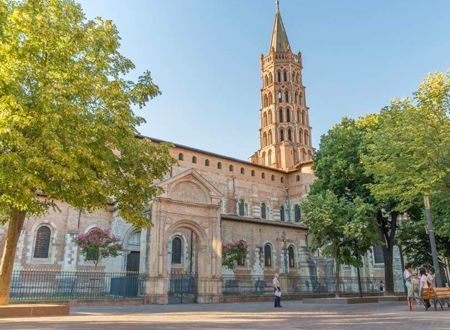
(204, 55)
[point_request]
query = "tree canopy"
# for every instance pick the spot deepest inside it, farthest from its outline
(67, 128)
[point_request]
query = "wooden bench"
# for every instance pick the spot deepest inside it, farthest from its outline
(436, 295)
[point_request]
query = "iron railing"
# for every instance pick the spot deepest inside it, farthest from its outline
(55, 285)
(293, 285)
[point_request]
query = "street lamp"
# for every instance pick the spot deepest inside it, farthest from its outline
(437, 270)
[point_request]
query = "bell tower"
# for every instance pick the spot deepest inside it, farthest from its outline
(285, 134)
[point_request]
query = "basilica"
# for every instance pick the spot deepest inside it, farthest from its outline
(211, 200)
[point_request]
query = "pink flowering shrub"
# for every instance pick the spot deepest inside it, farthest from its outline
(97, 244)
(233, 253)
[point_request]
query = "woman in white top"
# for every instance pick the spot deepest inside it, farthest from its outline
(408, 275)
(424, 284)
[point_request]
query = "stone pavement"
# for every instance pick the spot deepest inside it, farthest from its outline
(255, 316)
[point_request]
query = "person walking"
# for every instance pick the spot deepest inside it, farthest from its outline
(276, 290)
(408, 275)
(424, 283)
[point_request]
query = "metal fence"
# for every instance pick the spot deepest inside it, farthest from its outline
(48, 285)
(262, 285)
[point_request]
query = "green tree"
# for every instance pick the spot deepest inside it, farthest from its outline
(339, 168)
(409, 152)
(342, 230)
(67, 129)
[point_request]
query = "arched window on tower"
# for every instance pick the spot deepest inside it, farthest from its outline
(270, 99)
(281, 135)
(298, 116)
(269, 157)
(265, 119)
(280, 115)
(289, 134)
(265, 101)
(296, 98)
(270, 78)
(278, 76)
(280, 97)
(42, 244)
(285, 76)
(264, 139)
(267, 255)
(297, 213)
(270, 117)
(288, 115)
(300, 136)
(282, 213)
(303, 118)
(306, 138)
(293, 76)
(291, 257)
(270, 137)
(303, 154)
(266, 81)
(300, 99)
(286, 96)
(176, 250)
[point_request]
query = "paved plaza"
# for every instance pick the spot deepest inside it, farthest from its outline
(293, 315)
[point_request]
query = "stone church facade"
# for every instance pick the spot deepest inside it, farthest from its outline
(210, 200)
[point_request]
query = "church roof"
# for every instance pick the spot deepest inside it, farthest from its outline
(280, 42)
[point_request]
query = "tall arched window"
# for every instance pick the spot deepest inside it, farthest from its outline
(270, 116)
(194, 160)
(298, 116)
(278, 76)
(280, 115)
(280, 97)
(300, 99)
(266, 101)
(289, 134)
(303, 118)
(297, 211)
(303, 154)
(291, 257)
(270, 137)
(285, 75)
(306, 138)
(267, 255)
(286, 96)
(176, 250)
(265, 139)
(282, 213)
(42, 244)
(300, 136)
(265, 119)
(288, 115)
(270, 100)
(263, 211)
(266, 80)
(241, 208)
(180, 156)
(269, 158)
(264, 158)
(281, 135)
(270, 78)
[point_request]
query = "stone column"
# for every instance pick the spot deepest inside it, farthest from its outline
(70, 253)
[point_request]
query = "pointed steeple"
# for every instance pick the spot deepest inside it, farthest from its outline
(280, 42)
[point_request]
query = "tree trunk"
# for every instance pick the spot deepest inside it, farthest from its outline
(338, 271)
(388, 270)
(9, 252)
(388, 229)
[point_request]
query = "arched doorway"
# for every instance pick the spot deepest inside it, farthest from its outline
(133, 246)
(182, 266)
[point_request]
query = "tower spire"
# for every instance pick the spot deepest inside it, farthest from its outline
(280, 42)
